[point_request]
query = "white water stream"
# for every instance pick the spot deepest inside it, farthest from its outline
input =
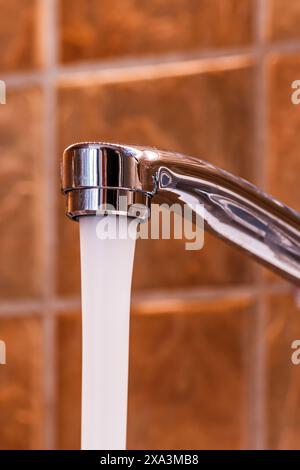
(106, 272)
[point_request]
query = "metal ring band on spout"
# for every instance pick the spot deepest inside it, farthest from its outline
(103, 201)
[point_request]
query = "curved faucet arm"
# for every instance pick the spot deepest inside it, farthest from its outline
(233, 209)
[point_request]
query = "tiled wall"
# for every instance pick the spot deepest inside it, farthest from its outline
(211, 332)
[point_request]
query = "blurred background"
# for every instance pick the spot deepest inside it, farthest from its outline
(211, 332)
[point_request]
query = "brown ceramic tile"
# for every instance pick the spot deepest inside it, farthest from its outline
(205, 114)
(283, 132)
(21, 378)
(284, 128)
(20, 145)
(187, 380)
(19, 35)
(186, 387)
(96, 30)
(283, 377)
(284, 19)
(69, 381)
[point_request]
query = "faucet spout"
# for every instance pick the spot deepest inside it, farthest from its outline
(95, 175)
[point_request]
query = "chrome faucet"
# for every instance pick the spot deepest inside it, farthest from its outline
(96, 175)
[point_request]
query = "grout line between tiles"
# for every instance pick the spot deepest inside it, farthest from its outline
(58, 305)
(49, 38)
(49, 361)
(128, 68)
(257, 364)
